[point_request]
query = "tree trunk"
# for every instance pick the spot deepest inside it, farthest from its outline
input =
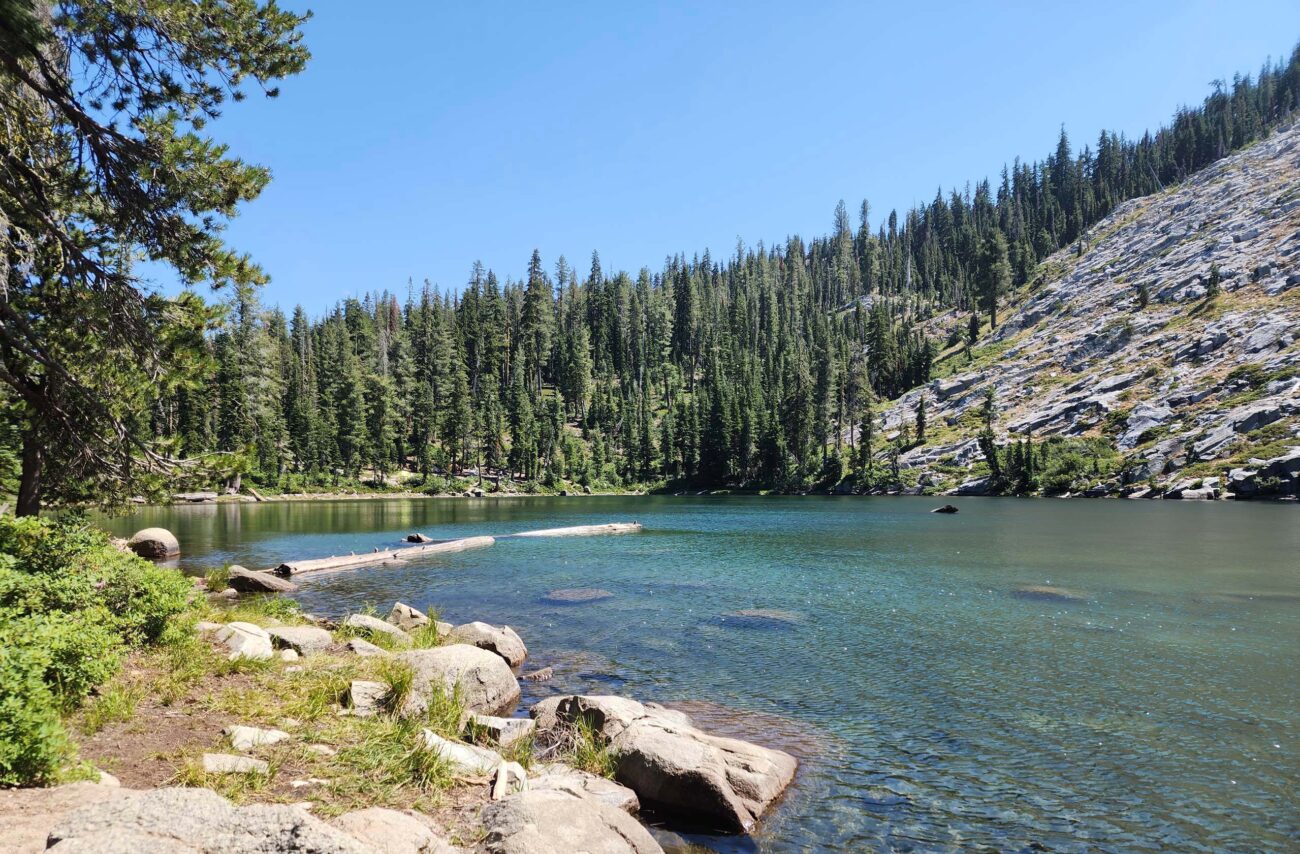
(29, 488)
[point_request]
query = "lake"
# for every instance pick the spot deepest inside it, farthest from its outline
(936, 704)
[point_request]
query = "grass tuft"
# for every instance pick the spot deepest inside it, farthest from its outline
(115, 704)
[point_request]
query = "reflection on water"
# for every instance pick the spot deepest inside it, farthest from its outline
(943, 706)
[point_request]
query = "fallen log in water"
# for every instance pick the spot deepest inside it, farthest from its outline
(351, 561)
(585, 530)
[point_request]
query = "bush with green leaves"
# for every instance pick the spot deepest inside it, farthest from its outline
(70, 606)
(33, 743)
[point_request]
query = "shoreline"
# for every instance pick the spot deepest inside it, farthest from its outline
(325, 497)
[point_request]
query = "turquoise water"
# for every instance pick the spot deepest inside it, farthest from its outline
(934, 707)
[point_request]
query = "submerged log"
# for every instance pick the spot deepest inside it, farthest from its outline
(586, 530)
(352, 561)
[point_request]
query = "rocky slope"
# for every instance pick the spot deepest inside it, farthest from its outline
(1185, 389)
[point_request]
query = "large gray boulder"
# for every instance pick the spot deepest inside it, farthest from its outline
(552, 820)
(154, 544)
(679, 769)
(195, 821)
(483, 679)
(248, 581)
(499, 639)
(304, 640)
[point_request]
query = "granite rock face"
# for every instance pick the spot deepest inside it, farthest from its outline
(1077, 355)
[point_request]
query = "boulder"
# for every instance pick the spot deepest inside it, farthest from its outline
(247, 737)
(248, 581)
(499, 639)
(543, 822)
(393, 832)
(464, 758)
(244, 640)
(581, 783)
(1278, 476)
(229, 763)
(418, 538)
(947, 508)
(683, 772)
(500, 731)
(974, 486)
(305, 640)
(195, 821)
(407, 618)
(484, 680)
(366, 624)
(364, 648)
(154, 544)
(27, 815)
(366, 698)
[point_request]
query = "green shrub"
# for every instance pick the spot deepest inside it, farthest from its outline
(70, 604)
(33, 744)
(47, 567)
(78, 650)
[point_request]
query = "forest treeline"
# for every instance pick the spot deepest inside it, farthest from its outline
(758, 368)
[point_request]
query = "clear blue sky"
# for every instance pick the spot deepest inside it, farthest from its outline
(423, 136)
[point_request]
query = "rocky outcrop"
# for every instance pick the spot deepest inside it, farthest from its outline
(483, 679)
(499, 639)
(1116, 338)
(552, 820)
(675, 767)
(1267, 478)
(154, 544)
(249, 581)
(195, 821)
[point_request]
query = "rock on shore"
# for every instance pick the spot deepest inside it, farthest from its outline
(154, 544)
(552, 820)
(484, 679)
(499, 639)
(674, 766)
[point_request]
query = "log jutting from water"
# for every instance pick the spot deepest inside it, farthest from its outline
(378, 556)
(586, 530)
(350, 561)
